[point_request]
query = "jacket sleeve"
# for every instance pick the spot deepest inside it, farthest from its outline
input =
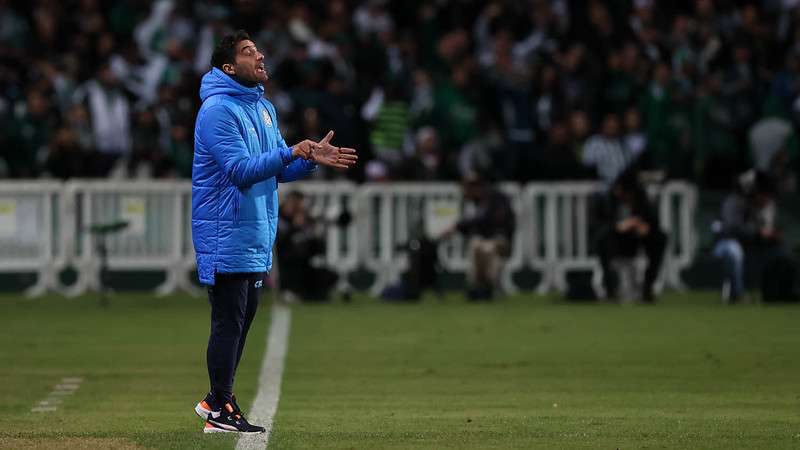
(221, 136)
(299, 168)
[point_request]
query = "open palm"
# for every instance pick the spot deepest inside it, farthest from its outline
(332, 156)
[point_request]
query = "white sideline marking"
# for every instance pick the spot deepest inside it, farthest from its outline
(269, 380)
(67, 386)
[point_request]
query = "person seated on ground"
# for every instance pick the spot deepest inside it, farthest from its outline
(633, 225)
(488, 221)
(299, 241)
(746, 226)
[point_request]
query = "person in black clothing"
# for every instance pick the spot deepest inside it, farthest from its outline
(633, 224)
(747, 234)
(489, 222)
(299, 241)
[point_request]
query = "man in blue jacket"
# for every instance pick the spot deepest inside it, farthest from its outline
(239, 159)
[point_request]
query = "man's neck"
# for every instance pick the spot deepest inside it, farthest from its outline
(243, 82)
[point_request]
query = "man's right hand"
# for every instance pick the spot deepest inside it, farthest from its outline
(303, 149)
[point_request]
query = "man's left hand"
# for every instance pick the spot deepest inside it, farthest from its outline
(329, 155)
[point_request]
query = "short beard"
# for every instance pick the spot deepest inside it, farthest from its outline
(246, 82)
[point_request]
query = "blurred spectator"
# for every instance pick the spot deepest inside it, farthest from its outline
(632, 225)
(387, 111)
(714, 135)
(746, 230)
(492, 78)
(579, 129)
(635, 139)
(66, 158)
(560, 159)
(13, 28)
(181, 150)
(428, 162)
(488, 222)
(110, 116)
(454, 112)
(774, 148)
(605, 152)
(147, 154)
(299, 241)
(28, 134)
(372, 18)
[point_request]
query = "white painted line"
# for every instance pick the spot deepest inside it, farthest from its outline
(62, 393)
(269, 380)
(43, 408)
(67, 386)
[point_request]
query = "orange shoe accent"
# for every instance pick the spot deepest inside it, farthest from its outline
(205, 405)
(228, 407)
(208, 425)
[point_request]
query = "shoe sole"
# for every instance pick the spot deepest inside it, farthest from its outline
(232, 429)
(212, 428)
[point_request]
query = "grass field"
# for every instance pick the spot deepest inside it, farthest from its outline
(519, 373)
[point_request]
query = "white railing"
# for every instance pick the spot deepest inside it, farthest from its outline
(391, 214)
(31, 215)
(559, 235)
(44, 227)
(154, 238)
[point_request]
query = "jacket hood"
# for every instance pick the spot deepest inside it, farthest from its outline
(217, 82)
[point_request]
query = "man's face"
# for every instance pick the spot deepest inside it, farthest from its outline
(249, 64)
(611, 126)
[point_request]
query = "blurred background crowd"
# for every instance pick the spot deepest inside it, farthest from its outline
(426, 90)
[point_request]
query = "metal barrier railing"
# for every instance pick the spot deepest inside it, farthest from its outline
(151, 240)
(563, 211)
(31, 215)
(44, 228)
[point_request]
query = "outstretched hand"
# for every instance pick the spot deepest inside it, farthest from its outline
(329, 155)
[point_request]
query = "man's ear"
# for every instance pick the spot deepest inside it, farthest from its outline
(228, 68)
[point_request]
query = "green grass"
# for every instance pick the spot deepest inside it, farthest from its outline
(142, 360)
(524, 373)
(518, 373)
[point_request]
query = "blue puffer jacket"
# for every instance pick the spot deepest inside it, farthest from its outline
(239, 159)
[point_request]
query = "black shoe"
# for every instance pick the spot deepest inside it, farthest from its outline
(203, 409)
(231, 420)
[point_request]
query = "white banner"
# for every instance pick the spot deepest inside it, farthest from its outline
(132, 210)
(8, 217)
(440, 216)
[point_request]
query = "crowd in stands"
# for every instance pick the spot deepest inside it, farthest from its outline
(425, 89)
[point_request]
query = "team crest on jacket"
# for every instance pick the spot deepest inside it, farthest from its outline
(266, 117)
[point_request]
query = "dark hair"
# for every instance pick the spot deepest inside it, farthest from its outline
(225, 52)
